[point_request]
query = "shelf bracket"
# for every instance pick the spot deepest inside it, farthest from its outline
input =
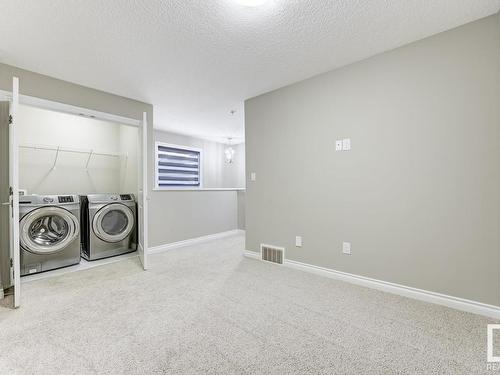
(88, 160)
(55, 160)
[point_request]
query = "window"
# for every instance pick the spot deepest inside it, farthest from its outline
(177, 166)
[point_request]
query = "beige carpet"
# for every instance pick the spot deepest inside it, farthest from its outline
(206, 309)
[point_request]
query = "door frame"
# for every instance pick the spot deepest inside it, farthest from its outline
(143, 193)
(14, 239)
(71, 109)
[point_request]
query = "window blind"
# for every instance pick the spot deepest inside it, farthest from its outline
(177, 166)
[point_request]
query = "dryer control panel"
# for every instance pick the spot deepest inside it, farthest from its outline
(65, 199)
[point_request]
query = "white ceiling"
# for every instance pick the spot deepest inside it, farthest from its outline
(195, 60)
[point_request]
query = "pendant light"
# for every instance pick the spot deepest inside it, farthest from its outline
(229, 152)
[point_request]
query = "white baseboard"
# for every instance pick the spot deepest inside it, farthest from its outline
(194, 241)
(252, 254)
(402, 290)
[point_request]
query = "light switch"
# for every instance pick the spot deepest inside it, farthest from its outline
(346, 144)
(298, 241)
(338, 145)
(253, 176)
(346, 248)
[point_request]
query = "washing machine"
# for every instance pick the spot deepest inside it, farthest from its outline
(108, 225)
(49, 232)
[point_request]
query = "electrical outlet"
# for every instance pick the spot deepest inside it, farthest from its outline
(253, 176)
(346, 248)
(338, 145)
(346, 144)
(298, 241)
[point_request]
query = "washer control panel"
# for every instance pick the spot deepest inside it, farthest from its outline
(125, 197)
(65, 199)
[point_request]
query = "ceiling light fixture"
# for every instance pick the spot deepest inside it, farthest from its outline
(251, 3)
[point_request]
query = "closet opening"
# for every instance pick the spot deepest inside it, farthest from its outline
(75, 192)
(77, 178)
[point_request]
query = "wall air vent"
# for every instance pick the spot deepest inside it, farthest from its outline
(272, 254)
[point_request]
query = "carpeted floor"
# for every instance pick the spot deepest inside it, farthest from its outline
(206, 309)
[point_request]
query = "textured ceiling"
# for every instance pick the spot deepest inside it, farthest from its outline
(195, 60)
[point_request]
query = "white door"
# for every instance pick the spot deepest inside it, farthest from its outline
(142, 199)
(14, 195)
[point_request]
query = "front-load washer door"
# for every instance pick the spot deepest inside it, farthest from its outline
(113, 222)
(48, 230)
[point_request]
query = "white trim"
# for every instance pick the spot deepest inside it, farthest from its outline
(144, 193)
(141, 255)
(71, 109)
(194, 241)
(252, 254)
(14, 184)
(402, 290)
(180, 147)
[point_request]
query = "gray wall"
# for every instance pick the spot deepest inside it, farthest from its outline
(182, 215)
(419, 194)
(241, 209)
(239, 165)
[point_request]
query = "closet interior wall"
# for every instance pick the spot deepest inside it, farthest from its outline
(67, 154)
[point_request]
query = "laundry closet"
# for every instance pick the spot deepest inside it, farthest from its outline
(78, 183)
(74, 186)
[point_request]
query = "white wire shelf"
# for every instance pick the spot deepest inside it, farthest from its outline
(59, 149)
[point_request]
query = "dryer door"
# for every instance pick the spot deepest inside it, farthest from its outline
(48, 230)
(113, 222)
